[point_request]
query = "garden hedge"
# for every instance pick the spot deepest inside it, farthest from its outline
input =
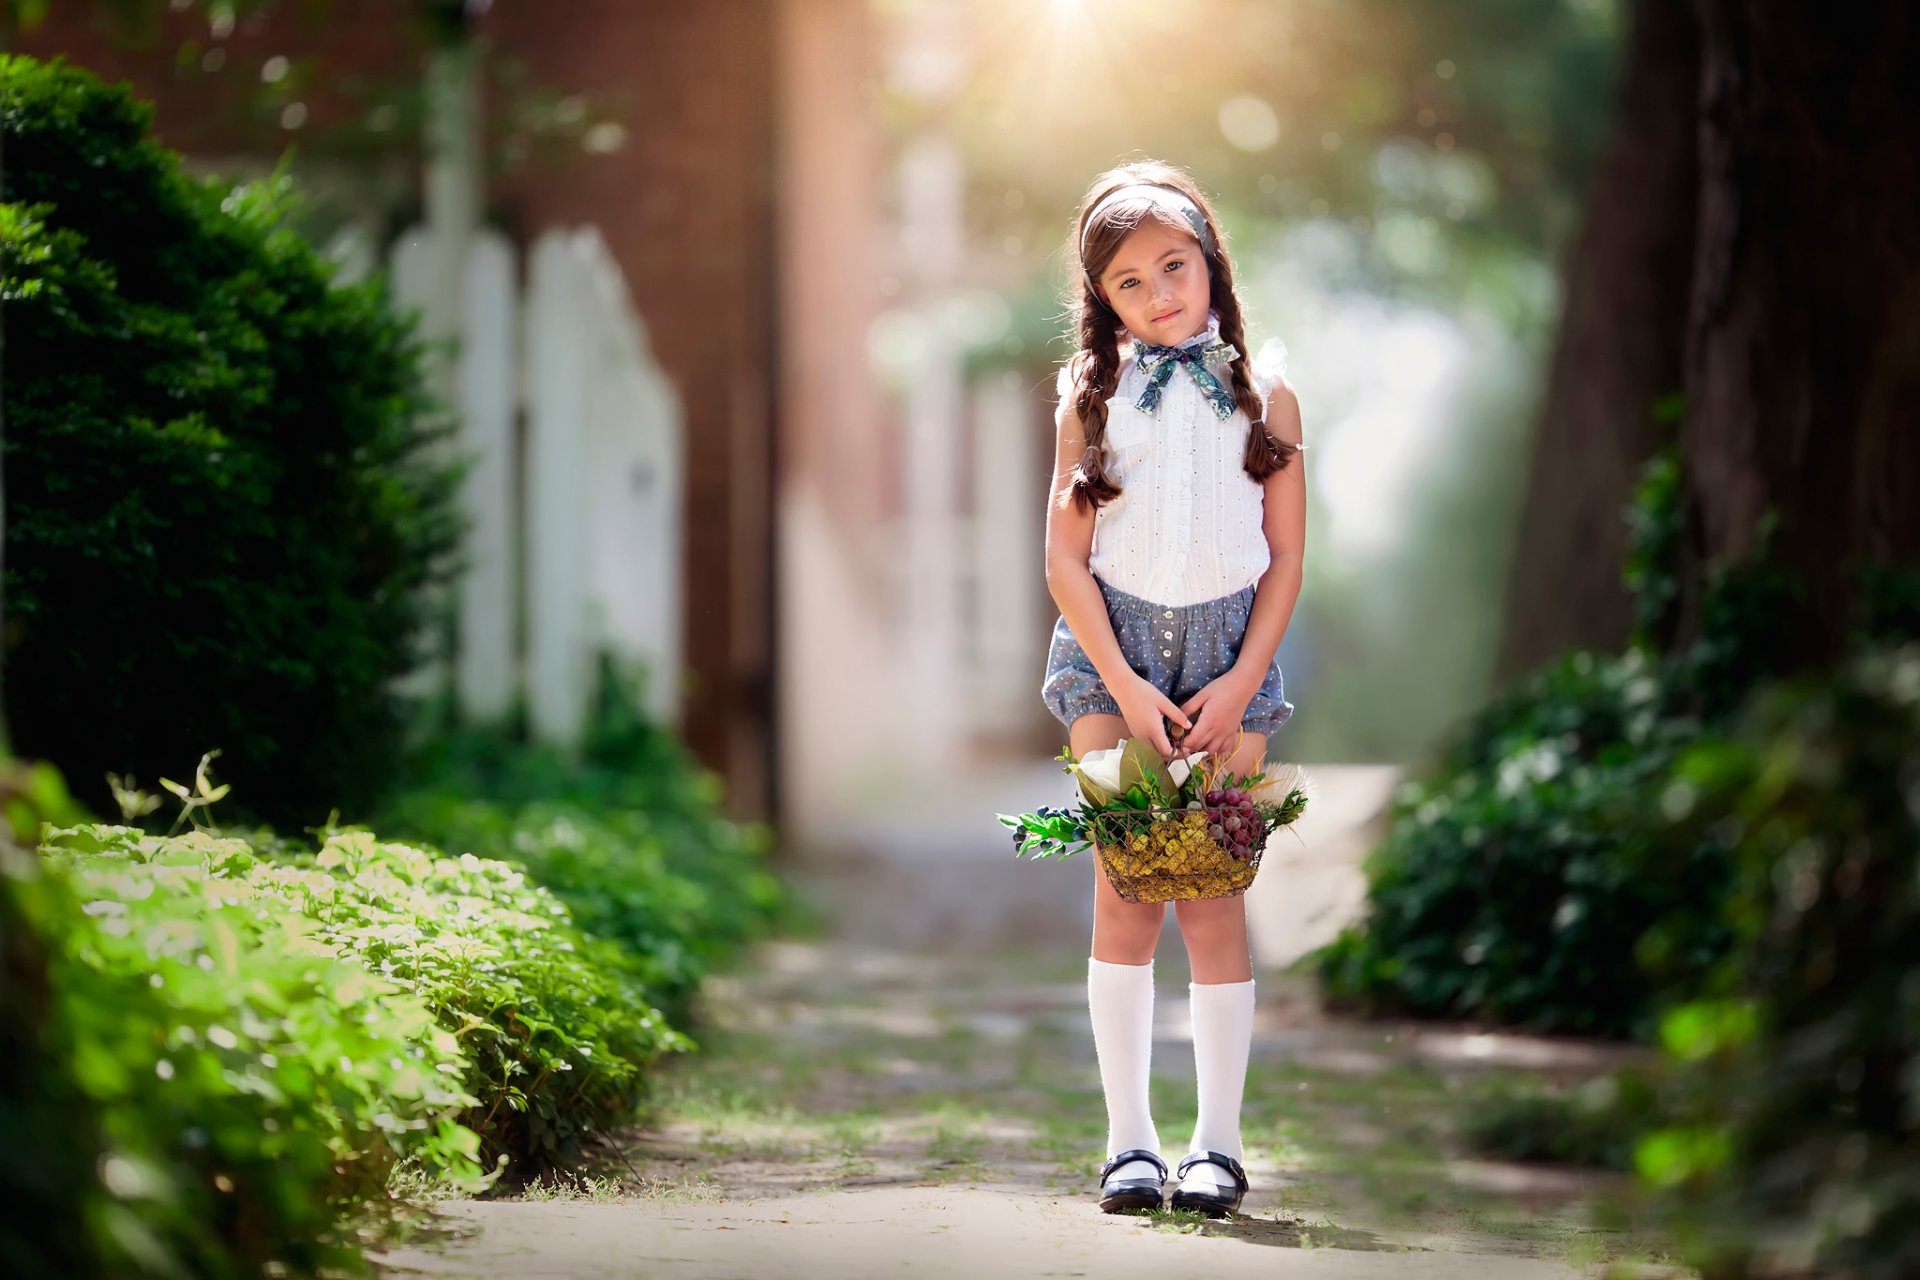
(1529, 880)
(223, 482)
(239, 1050)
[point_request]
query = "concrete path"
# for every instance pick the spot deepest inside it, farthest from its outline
(915, 1093)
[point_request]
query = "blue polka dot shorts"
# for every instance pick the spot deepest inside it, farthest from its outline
(1180, 648)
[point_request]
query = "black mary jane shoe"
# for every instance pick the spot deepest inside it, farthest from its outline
(1214, 1203)
(1132, 1193)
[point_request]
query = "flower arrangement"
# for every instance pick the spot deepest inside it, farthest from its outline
(1184, 828)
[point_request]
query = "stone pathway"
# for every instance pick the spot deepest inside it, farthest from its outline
(914, 1092)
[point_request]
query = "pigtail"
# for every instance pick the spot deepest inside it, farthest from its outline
(1094, 375)
(1093, 372)
(1265, 454)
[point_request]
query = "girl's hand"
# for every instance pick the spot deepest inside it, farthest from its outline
(1218, 710)
(1147, 710)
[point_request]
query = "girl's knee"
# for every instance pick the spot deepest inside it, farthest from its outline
(1122, 927)
(1095, 731)
(1250, 755)
(1211, 916)
(1125, 938)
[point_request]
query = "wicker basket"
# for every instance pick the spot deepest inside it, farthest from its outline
(1163, 855)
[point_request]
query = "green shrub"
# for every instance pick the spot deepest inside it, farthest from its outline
(553, 1032)
(215, 1051)
(50, 1143)
(1521, 884)
(1527, 881)
(222, 496)
(226, 1087)
(49, 1136)
(628, 833)
(1791, 1142)
(1596, 1123)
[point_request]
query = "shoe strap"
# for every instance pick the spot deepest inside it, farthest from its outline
(1225, 1161)
(1135, 1153)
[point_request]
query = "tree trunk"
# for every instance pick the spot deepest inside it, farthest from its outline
(1803, 343)
(1619, 351)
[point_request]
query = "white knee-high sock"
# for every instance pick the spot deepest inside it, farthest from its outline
(1120, 1000)
(1222, 1037)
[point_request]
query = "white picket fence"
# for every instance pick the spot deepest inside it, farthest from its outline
(591, 503)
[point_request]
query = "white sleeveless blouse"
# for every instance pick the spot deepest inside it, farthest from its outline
(1187, 526)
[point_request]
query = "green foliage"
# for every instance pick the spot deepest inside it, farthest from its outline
(1520, 884)
(1596, 1123)
(50, 1144)
(1889, 599)
(1737, 650)
(1530, 880)
(1652, 570)
(1792, 1145)
(223, 493)
(551, 1028)
(223, 1085)
(217, 1048)
(628, 833)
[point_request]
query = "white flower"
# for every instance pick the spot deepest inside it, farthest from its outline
(1103, 773)
(1102, 768)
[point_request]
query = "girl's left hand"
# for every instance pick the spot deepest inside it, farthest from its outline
(1217, 710)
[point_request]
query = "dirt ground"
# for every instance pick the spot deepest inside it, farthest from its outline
(860, 1110)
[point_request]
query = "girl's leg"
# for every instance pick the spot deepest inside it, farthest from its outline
(1221, 1003)
(1120, 986)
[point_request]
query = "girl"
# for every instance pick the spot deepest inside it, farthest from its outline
(1175, 530)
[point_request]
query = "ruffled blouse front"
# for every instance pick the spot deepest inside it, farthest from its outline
(1188, 524)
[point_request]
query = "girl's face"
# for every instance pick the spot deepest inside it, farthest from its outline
(1158, 285)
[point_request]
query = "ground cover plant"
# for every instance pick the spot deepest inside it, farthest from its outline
(628, 830)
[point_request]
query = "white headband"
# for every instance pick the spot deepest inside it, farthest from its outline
(1166, 197)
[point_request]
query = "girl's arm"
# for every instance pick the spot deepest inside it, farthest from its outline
(1070, 551)
(1285, 524)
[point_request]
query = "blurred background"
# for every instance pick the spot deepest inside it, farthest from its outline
(757, 307)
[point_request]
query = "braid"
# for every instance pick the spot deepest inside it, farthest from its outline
(1096, 375)
(1095, 367)
(1264, 454)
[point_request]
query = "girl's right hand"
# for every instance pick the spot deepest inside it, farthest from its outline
(1147, 710)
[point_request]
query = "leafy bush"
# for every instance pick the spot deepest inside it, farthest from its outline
(214, 1049)
(224, 1087)
(49, 1139)
(1792, 1142)
(1527, 881)
(552, 1032)
(222, 495)
(1596, 1123)
(628, 833)
(1521, 884)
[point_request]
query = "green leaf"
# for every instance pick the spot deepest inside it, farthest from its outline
(1141, 766)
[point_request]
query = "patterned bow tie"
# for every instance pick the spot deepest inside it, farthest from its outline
(1158, 364)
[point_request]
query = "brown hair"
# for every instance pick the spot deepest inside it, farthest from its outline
(1095, 367)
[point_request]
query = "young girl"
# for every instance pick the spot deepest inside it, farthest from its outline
(1175, 530)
